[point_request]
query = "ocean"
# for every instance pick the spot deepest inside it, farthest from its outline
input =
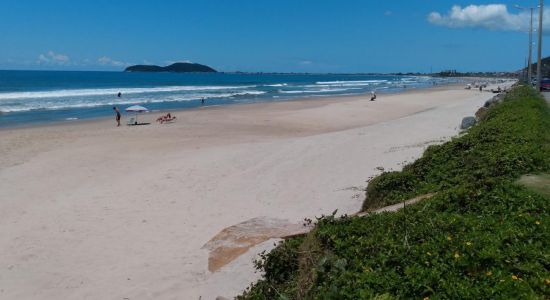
(40, 97)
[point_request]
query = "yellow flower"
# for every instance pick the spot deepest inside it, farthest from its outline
(449, 238)
(489, 273)
(514, 277)
(457, 255)
(537, 222)
(468, 243)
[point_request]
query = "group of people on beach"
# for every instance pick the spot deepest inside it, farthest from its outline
(162, 119)
(168, 117)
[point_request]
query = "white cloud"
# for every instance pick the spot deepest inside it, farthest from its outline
(491, 16)
(305, 62)
(107, 61)
(58, 57)
(53, 58)
(43, 58)
(169, 62)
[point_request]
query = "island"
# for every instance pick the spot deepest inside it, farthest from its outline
(180, 67)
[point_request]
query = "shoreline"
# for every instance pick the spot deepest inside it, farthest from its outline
(181, 110)
(126, 212)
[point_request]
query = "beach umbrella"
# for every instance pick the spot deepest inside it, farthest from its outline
(136, 109)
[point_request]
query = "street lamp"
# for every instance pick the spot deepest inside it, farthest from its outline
(529, 72)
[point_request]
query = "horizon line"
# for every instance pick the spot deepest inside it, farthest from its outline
(275, 72)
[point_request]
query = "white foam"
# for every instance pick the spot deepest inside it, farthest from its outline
(111, 91)
(356, 82)
(249, 93)
(65, 104)
(318, 91)
(277, 84)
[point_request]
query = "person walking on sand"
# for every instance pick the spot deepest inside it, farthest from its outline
(372, 95)
(117, 116)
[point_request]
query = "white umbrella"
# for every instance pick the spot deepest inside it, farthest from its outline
(136, 109)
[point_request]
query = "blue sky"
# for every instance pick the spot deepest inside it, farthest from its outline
(258, 35)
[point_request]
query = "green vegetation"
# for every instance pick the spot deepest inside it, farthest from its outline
(480, 236)
(512, 140)
(455, 73)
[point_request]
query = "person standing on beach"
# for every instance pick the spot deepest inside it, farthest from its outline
(117, 116)
(372, 95)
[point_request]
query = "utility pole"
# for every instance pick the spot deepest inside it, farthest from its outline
(529, 80)
(539, 69)
(525, 75)
(530, 55)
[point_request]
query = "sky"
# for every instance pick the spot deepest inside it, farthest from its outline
(268, 36)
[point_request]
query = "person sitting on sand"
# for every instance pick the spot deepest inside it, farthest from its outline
(166, 118)
(161, 119)
(372, 96)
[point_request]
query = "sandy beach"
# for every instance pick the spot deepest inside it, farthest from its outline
(92, 211)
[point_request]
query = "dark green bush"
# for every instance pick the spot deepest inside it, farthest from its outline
(280, 267)
(389, 185)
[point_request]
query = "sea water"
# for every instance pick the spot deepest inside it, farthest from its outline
(38, 97)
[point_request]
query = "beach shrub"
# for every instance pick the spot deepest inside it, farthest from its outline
(391, 186)
(280, 267)
(500, 148)
(481, 236)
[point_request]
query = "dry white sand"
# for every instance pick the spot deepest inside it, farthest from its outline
(91, 211)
